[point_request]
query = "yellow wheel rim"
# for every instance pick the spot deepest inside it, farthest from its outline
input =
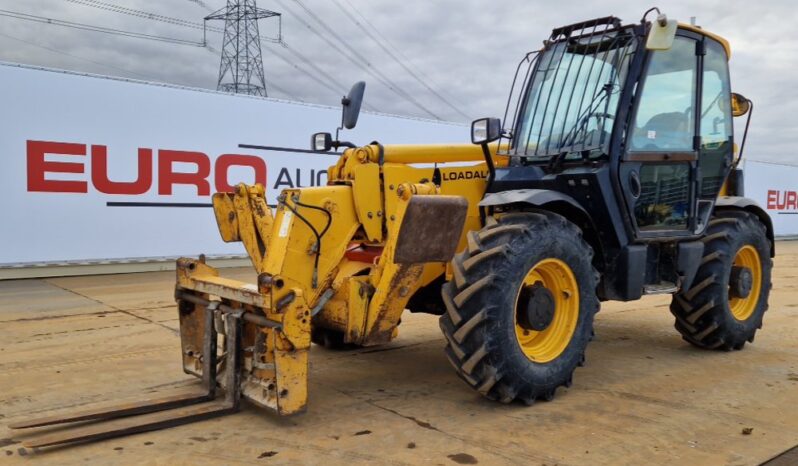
(546, 345)
(743, 308)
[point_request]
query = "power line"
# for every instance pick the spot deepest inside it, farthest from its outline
(314, 30)
(101, 29)
(354, 56)
(310, 75)
(202, 4)
(314, 66)
(195, 25)
(142, 14)
(61, 52)
(363, 60)
(382, 36)
(134, 73)
(395, 58)
(393, 46)
(337, 91)
(156, 17)
(307, 61)
(184, 23)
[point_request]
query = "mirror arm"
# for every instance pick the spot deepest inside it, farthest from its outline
(344, 103)
(745, 132)
(336, 144)
(490, 165)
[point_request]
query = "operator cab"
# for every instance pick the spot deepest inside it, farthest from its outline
(626, 130)
(651, 102)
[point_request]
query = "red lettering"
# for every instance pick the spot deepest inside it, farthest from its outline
(791, 198)
(167, 177)
(772, 196)
(99, 173)
(38, 166)
(225, 161)
(781, 201)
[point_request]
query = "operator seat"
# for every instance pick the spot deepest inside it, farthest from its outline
(668, 131)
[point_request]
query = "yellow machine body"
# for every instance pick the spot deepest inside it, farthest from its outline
(384, 222)
(345, 260)
(383, 219)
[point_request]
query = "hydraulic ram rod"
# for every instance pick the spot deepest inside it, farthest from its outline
(251, 317)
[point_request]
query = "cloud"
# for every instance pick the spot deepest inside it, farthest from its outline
(465, 49)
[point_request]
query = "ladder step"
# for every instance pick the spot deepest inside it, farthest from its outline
(147, 405)
(133, 425)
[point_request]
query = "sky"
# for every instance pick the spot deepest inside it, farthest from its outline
(466, 51)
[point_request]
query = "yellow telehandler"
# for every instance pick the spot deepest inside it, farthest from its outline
(615, 176)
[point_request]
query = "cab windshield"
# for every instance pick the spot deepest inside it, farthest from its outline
(572, 96)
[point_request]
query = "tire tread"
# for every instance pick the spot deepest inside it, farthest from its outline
(701, 313)
(467, 324)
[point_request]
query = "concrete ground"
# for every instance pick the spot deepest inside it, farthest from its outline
(644, 397)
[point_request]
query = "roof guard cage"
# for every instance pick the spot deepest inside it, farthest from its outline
(567, 31)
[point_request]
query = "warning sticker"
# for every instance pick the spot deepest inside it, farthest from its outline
(285, 224)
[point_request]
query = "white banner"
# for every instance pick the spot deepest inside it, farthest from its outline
(98, 169)
(775, 188)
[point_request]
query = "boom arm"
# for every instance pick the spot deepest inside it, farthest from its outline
(306, 277)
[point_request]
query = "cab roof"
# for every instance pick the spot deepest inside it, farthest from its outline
(703, 32)
(612, 22)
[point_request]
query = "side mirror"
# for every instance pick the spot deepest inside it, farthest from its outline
(485, 130)
(739, 105)
(661, 34)
(321, 142)
(351, 104)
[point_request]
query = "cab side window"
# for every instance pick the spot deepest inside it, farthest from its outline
(664, 121)
(716, 120)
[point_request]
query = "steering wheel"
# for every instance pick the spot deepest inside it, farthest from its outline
(580, 126)
(608, 116)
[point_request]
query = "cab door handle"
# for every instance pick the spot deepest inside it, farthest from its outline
(635, 187)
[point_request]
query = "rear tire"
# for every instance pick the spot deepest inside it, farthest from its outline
(712, 314)
(486, 343)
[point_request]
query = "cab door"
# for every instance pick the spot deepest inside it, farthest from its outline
(658, 172)
(716, 149)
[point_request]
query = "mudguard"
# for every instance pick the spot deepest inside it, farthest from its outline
(749, 205)
(535, 197)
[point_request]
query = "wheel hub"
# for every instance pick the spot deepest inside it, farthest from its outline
(741, 281)
(539, 310)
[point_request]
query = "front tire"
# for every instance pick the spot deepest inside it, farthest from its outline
(729, 295)
(520, 306)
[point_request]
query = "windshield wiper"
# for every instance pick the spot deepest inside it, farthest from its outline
(581, 122)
